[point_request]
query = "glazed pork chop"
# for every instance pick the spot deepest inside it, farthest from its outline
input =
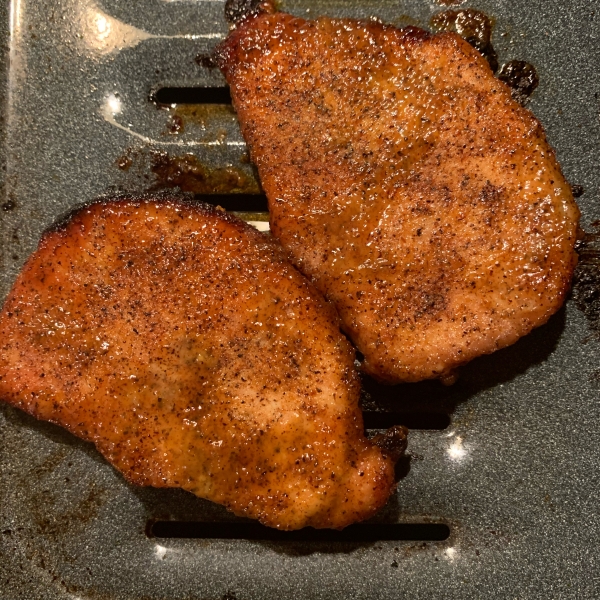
(184, 345)
(405, 181)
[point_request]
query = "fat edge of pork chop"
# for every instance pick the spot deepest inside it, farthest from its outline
(184, 345)
(418, 196)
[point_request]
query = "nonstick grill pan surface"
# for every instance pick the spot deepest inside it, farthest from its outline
(498, 496)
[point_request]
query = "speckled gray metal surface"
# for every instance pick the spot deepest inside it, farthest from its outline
(517, 473)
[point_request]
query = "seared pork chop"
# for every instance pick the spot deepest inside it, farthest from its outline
(421, 199)
(188, 349)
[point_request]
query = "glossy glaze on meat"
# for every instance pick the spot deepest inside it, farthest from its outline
(188, 349)
(421, 199)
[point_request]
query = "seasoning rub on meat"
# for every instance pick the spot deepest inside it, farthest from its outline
(181, 342)
(405, 181)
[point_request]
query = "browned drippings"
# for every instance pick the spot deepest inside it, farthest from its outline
(586, 282)
(252, 216)
(206, 60)
(577, 190)
(76, 518)
(521, 77)
(473, 26)
(200, 114)
(175, 125)
(392, 442)
(124, 161)
(190, 175)
(238, 10)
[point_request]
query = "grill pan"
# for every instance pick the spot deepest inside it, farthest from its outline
(498, 495)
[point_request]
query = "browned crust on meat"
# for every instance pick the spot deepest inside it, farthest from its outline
(183, 344)
(421, 199)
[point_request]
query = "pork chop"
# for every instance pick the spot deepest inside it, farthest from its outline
(406, 182)
(184, 345)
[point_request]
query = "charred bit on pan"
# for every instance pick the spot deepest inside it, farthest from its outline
(392, 442)
(521, 77)
(586, 282)
(577, 190)
(473, 26)
(208, 61)
(190, 175)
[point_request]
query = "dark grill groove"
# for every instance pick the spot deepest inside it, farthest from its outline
(360, 533)
(192, 95)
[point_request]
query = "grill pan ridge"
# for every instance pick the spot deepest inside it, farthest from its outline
(498, 494)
